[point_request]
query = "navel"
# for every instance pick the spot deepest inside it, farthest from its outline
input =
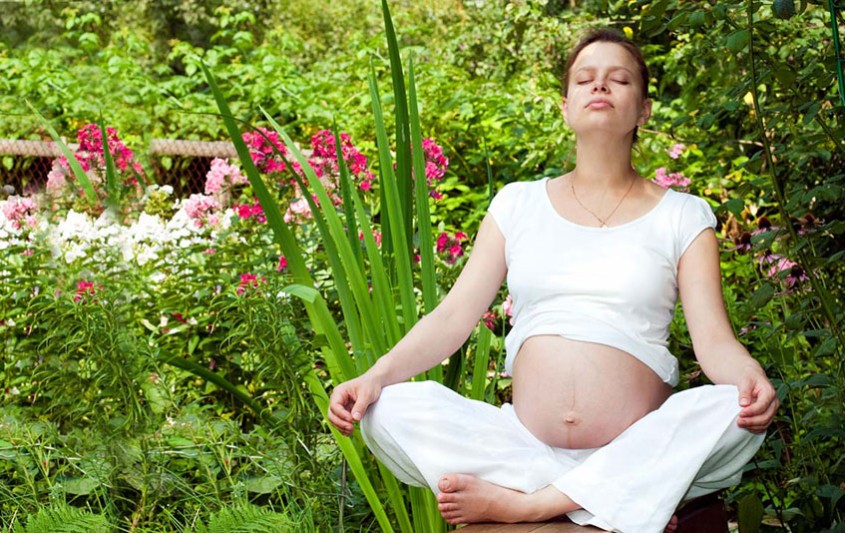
(571, 418)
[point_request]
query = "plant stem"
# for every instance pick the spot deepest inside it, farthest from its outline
(819, 289)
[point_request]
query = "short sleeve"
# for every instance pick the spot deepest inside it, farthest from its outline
(503, 206)
(696, 217)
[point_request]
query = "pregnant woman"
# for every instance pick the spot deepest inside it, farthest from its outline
(595, 261)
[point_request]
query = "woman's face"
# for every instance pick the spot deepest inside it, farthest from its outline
(605, 92)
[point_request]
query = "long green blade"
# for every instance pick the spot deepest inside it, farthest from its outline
(346, 185)
(421, 190)
(382, 291)
(480, 362)
(282, 234)
(346, 269)
(403, 139)
(78, 174)
(112, 186)
(395, 220)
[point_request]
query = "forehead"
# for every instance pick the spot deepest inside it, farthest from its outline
(604, 55)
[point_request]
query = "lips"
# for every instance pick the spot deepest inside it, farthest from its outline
(599, 103)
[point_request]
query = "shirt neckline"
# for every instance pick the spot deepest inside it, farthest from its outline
(606, 229)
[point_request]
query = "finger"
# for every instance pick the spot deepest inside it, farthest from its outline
(745, 392)
(760, 421)
(340, 412)
(763, 401)
(360, 407)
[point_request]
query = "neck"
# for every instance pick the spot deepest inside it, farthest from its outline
(603, 163)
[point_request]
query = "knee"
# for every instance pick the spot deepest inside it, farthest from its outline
(396, 403)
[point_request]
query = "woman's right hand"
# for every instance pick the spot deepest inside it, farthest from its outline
(349, 402)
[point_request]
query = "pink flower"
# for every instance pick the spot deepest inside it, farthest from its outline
(676, 150)
(20, 211)
(222, 176)
(508, 309)
(298, 211)
(676, 179)
(283, 264)
(202, 209)
(781, 267)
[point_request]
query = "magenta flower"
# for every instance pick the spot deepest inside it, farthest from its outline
(248, 211)
(85, 288)
(324, 158)
(249, 281)
(283, 264)
(263, 145)
(436, 166)
(489, 319)
(450, 247)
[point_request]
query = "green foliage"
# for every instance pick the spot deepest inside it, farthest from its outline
(65, 519)
(246, 519)
(751, 90)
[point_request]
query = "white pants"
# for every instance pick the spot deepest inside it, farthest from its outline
(689, 447)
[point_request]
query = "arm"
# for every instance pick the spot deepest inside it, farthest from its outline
(435, 337)
(721, 356)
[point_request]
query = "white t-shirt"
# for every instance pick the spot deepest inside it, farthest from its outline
(615, 285)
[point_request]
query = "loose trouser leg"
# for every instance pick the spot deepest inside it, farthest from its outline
(422, 431)
(690, 446)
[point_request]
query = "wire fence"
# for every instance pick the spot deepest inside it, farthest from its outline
(182, 164)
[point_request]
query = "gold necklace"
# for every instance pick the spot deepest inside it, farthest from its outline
(602, 221)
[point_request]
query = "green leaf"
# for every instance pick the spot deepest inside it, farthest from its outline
(738, 40)
(79, 486)
(263, 484)
(302, 292)
(762, 295)
(749, 514)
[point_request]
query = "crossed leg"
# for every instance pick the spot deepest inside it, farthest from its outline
(465, 499)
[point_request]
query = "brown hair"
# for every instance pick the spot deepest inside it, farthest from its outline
(608, 35)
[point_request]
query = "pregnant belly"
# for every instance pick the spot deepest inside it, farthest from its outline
(573, 394)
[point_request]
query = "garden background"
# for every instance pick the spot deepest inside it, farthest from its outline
(169, 327)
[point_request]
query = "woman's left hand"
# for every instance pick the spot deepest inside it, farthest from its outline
(758, 401)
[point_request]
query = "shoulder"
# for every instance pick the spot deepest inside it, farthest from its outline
(689, 215)
(508, 204)
(513, 194)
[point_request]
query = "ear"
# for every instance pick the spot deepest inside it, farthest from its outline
(645, 112)
(564, 109)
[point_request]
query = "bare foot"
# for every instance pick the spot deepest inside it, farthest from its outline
(466, 499)
(673, 525)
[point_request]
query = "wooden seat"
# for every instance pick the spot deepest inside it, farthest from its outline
(546, 527)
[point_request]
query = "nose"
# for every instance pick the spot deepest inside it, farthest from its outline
(599, 86)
